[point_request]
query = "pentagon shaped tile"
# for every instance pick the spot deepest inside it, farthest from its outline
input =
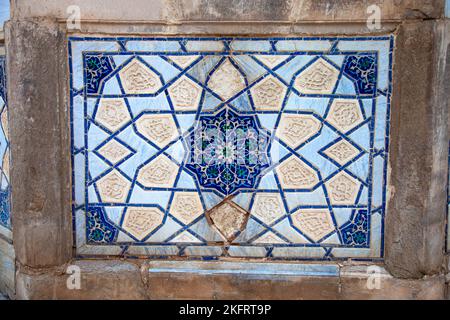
(161, 172)
(186, 206)
(315, 224)
(229, 219)
(158, 128)
(295, 129)
(137, 78)
(345, 114)
(268, 94)
(342, 152)
(342, 189)
(268, 207)
(295, 174)
(141, 221)
(318, 78)
(113, 187)
(185, 94)
(113, 151)
(112, 114)
(226, 80)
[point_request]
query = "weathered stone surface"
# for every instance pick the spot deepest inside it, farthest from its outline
(419, 150)
(7, 268)
(99, 280)
(103, 279)
(230, 283)
(235, 10)
(356, 285)
(39, 129)
(350, 283)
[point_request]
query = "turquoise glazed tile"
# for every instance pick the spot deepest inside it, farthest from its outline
(205, 148)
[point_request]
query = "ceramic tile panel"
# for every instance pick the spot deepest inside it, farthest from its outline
(5, 217)
(271, 148)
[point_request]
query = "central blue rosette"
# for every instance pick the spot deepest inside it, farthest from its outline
(228, 151)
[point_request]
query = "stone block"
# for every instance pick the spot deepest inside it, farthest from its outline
(39, 129)
(100, 280)
(414, 237)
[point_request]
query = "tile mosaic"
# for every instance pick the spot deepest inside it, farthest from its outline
(5, 214)
(270, 148)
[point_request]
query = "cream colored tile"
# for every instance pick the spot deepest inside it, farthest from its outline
(113, 187)
(186, 206)
(137, 78)
(342, 152)
(342, 189)
(141, 221)
(112, 114)
(345, 114)
(294, 129)
(159, 173)
(268, 94)
(114, 151)
(185, 94)
(295, 174)
(158, 128)
(268, 207)
(316, 224)
(319, 78)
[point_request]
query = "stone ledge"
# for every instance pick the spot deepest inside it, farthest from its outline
(173, 11)
(107, 279)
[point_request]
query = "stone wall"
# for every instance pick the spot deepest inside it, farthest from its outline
(407, 149)
(7, 257)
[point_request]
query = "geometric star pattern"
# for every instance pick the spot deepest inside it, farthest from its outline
(5, 214)
(261, 151)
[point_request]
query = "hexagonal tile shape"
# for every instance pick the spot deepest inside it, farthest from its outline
(112, 114)
(342, 189)
(226, 80)
(268, 94)
(158, 128)
(268, 207)
(113, 151)
(137, 78)
(345, 114)
(342, 152)
(229, 219)
(141, 221)
(319, 78)
(186, 206)
(161, 172)
(295, 129)
(113, 187)
(185, 94)
(295, 174)
(314, 223)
